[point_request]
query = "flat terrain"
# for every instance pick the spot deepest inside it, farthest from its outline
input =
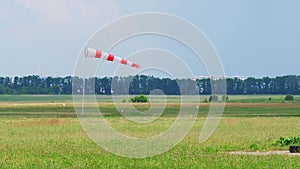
(46, 134)
(171, 98)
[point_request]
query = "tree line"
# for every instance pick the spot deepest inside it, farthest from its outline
(141, 84)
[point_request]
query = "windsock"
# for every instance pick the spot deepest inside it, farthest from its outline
(94, 53)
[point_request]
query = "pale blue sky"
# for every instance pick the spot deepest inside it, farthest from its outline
(252, 37)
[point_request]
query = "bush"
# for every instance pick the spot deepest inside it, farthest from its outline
(289, 97)
(213, 98)
(140, 99)
(225, 98)
(288, 141)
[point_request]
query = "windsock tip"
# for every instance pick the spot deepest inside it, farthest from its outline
(136, 66)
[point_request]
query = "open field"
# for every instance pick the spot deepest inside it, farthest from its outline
(61, 143)
(231, 109)
(55, 139)
(171, 99)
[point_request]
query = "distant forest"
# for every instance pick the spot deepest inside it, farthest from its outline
(144, 84)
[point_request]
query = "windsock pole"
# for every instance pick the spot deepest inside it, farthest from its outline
(94, 53)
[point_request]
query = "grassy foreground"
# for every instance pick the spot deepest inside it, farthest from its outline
(61, 143)
(54, 138)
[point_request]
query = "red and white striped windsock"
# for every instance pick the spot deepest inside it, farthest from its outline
(94, 53)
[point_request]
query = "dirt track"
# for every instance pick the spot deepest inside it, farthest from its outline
(263, 153)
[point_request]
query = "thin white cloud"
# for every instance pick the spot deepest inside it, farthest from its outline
(8, 12)
(47, 10)
(28, 28)
(5, 15)
(28, 19)
(71, 12)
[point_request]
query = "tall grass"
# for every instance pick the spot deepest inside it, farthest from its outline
(61, 143)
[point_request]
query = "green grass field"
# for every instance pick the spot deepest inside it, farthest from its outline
(171, 99)
(46, 134)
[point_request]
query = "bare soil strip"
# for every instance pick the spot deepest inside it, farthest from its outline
(263, 153)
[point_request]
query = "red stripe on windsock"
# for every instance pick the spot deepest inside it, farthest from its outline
(124, 62)
(135, 65)
(110, 57)
(98, 53)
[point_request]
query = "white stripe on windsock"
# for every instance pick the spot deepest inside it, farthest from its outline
(90, 52)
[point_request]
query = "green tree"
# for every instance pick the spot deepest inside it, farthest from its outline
(213, 98)
(225, 98)
(289, 97)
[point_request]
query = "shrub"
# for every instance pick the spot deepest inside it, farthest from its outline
(289, 97)
(141, 98)
(254, 147)
(213, 98)
(288, 141)
(225, 98)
